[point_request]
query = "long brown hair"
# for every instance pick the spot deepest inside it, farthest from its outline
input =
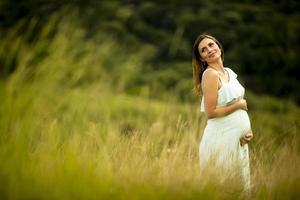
(200, 66)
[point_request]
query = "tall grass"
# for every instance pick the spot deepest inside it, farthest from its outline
(68, 131)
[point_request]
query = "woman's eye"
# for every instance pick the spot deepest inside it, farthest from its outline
(203, 50)
(211, 44)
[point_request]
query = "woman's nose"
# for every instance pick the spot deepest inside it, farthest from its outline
(209, 49)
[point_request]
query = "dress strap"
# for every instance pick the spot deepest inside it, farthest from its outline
(221, 80)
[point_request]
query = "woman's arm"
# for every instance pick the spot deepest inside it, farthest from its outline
(210, 87)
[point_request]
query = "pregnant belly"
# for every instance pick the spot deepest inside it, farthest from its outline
(237, 123)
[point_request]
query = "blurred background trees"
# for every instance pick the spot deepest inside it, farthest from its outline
(260, 37)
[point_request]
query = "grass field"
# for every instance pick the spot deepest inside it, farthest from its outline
(91, 144)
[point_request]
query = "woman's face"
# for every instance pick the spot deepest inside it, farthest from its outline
(209, 50)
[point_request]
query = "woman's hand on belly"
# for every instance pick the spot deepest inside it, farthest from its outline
(246, 138)
(212, 111)
(243, 104)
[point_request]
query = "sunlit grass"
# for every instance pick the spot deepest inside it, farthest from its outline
(86, 144)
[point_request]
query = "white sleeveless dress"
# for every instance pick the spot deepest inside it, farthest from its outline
(220, 151)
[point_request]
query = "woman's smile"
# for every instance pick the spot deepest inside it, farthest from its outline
(212, 55)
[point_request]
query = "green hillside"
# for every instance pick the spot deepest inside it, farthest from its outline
(260, 38)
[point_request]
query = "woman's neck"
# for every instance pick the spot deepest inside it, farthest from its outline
(218, 66)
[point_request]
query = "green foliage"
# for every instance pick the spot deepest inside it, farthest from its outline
(260, 38)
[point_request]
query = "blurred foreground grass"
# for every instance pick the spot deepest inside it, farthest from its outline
(69, 131)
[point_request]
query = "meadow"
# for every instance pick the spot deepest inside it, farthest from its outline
(69, 129)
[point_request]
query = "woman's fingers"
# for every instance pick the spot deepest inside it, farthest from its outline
(246, 138)
(243, 141)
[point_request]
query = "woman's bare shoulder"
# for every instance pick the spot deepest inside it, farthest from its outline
(209, 74)
(209, 80)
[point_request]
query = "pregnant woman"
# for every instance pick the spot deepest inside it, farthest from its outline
(223, 147)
